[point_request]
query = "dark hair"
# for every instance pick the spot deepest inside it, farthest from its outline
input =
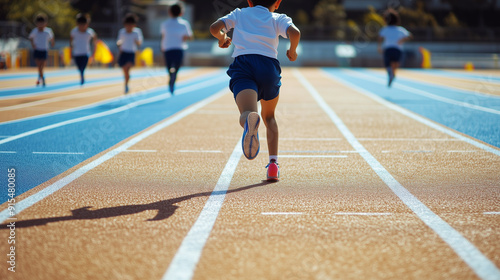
(130, 18)
(392, 17)
(265, 3)
(176, 10)
(82, 18)
(41, 17)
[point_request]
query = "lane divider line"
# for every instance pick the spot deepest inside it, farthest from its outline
(57, 153)
(491, 213)
(426, 94)
(361, 214)
(112, 111)
(414, 116)
(479, 263)
(312, 156)
(188, 255)
(34, 198)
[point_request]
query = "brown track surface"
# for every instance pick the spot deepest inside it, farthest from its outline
(126, 218)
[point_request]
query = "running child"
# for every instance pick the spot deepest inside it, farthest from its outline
(80, 38)
(40, 38)
(390, 43)
(174, 34)
(129, 40)
(256, 72)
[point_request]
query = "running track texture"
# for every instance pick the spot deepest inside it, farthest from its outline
(376, 182)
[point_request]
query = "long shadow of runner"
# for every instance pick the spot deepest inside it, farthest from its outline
(166, 208)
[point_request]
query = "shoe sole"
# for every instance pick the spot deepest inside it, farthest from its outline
(250, 142)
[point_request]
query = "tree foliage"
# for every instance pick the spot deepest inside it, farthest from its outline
(60, 13)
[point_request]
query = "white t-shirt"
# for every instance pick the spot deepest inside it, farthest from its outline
(129, 39)
(392, 34)
(41, 39)
(81, 41)
(173, 30)
(256, 30)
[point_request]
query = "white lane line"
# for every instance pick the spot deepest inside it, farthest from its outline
(479, 263)
(140, 151)
(491, 213)
(281, 213)
(418, 152)
(414, 116)
(320, 152)
(312, 156)
(31, 200)
(8, 152)
(113, 111)
(312, 139)
(361, 214)
(426, 94)
(57, 153)
(185, 260)
(200, 151)
(407, 139)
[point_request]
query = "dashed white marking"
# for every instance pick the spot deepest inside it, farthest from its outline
(8, 152)
(478, 262)
(200, 151)
(312, 156)
(409, 139)
(57, 153)
(281, 213)
(423, 152)
(362, 214)
(491, 213)
(312, 139)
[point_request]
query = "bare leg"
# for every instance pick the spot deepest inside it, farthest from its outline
(247, 103)
(126, 73)
(268, 108)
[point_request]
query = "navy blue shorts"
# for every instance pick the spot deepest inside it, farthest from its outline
(41, 55)
(126, 57)
(173, 59)
(257, 72)
(391, 55)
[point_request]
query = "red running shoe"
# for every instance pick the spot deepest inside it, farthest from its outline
(273, 171)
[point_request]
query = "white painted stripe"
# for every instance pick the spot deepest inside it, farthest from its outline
(57, 153)
(361, 214)
(426, 94)
(29, 201)
(417, 152)
(320, 152)
(199, 151)
(311, 156)
(407, 139)
(113, 111)
(491, 213)
(185, 260)
(140, 151)
(8, 152)
(479, 263)
(416, 117)
(281, 213)
(312, 139)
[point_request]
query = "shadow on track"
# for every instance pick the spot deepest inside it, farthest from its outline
(166, 208)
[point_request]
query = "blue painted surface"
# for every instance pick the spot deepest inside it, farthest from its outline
(478, 124)
(89, 137)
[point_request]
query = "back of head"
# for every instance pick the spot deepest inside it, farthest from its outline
(130, 19)
(265, 3)
(41, 18)
(392, 17)
(176, 10)
(82, 18)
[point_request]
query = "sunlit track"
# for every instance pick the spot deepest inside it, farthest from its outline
(376, 182)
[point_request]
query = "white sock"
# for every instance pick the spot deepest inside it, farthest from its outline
(273, 157)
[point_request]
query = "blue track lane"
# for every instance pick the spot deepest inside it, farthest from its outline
(456, 75)
(89, 137)
(478, 124)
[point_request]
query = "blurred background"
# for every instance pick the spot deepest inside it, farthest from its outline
(343, 33)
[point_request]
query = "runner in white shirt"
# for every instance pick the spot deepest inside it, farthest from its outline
(256, 72)
(174, 34)
(40, 38)
(129, 40)
(391, 40)
(80, 38)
